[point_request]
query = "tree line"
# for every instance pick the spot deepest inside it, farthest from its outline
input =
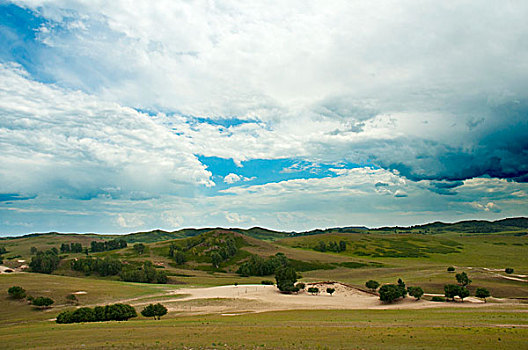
(115, 312)
(332, 246)
(258, 266)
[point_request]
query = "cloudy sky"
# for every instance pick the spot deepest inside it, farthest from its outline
(119, 116)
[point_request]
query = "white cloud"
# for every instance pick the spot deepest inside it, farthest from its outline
(231, 178)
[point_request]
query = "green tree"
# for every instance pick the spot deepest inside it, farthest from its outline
(401, 285)
(216, 259)
(330, 291)
(45, 262)
(179, 257)
(482, 293)
(139, 248)
(42, 302)
(371, 284)
(463, 292)
(17, 292)
(416, 292)
(390, 292)
(463, 279)
(154, 310)
(286, 276)
(451, 290)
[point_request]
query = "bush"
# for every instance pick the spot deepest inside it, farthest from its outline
(17, 292)
(330, 290)
(451, 269)
(115, 312)
(437, 298)
(508, 270)
(71, 298)
(42, 301)
(267, 282)
(373, 285)
(390, 292)
(300, 285)
(154, 310)
(313, 290)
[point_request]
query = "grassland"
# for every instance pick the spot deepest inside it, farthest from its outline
(419, 255)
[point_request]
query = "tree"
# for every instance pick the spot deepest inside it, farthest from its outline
(154, 310)
(42, 302)
(401, 285)
(139, 248)
(216, 259)
(373, 285)
(416, 292)
(463, 279)
(342, 246)
(17, 292)
(451, 269)
(330, 291)
(33, 250)
(179, 257)
(451, 290)
(65, 248)
(508, 270)
(390, 292)
(286, 276)
(482, 293)
(462, 293)
(313, 290)
(44, 262)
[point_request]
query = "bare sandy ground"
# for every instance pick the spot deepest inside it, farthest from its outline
(233, 300)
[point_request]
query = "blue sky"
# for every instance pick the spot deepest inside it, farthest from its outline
(289, 115)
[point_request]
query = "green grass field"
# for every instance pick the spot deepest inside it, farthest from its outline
(420, 260)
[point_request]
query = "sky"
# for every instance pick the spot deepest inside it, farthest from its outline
(119, 116)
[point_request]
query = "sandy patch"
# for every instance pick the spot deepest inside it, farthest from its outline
(81, 292)
(232, 300)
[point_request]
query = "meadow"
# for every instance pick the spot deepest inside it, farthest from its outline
(383, 255)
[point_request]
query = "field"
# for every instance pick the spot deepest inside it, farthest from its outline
(253, 316)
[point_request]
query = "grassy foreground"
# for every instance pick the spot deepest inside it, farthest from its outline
(368, 329)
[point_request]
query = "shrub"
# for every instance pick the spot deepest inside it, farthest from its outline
(300, 285)
(72, 298)
(330, 290)
(437, 298)
(313, 290)
(42, 301)
(154, 310)
(17, 292)
(371, 284)
(508, 270)
(267, 282)
(451, 269)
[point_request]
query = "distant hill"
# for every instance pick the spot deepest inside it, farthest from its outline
(469, 226)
